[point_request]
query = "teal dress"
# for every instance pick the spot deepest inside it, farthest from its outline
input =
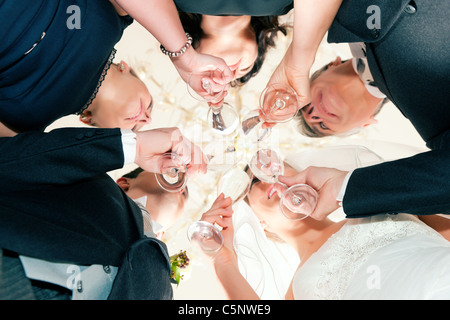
(236, 7)
(52, 58)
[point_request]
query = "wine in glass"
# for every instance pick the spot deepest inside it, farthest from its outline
(210, 86)
(278, 103)
(173, 172)
(298, 201)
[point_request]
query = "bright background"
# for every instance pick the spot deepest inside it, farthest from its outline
(391, 138)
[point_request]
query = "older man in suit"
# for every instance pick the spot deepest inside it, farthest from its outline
(408, 52)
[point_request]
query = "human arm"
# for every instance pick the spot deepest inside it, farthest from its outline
(312, 18)
(160, 18)
(66, 155)
(225, 261)
(6, 132)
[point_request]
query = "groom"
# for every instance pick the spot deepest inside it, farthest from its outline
(408, 53)
(58, 203)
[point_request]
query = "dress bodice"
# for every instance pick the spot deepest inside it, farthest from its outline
(334, 267)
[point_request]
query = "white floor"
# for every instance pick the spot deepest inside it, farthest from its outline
(392, 137)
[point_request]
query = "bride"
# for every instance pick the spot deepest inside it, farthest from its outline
(378, 257)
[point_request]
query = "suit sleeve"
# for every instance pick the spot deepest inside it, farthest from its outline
(32, 159)
(417, 185)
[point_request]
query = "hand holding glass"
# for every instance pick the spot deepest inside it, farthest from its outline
(235, 184)
(173, 172)
(210, 86)
(278, 103)
(298, 201)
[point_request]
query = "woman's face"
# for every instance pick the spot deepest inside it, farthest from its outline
(239, 50)
(123, 101)
(267, 208)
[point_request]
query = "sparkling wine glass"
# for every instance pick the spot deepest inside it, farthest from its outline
(210, 86)
(298, 201)
(206, 236)
(278, 103)
(235, 184)
(173, 172)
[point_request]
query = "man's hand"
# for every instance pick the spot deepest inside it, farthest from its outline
(193, 62)
(326, 181)
(151, 144)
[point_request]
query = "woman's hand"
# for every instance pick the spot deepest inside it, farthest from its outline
(193, 62)
(294, 74)
(221, 212)
(312, 18)
(151, 144)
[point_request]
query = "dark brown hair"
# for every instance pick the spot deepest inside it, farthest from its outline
(266, 30)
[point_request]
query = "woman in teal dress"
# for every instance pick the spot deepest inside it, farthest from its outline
(54, 55)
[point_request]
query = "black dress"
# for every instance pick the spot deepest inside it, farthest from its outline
(70, 51)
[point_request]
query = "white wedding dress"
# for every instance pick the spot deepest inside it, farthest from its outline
(380, 257)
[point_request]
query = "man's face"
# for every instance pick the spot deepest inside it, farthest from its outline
(339, 101)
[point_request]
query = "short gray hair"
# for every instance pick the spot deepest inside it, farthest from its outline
(303, 126)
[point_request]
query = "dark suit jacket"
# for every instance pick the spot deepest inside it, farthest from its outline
(58, 204)
(409, 59)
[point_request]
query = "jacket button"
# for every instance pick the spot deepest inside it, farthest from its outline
(107, 269)
(375, 33)
(411, 8)
(79, 286)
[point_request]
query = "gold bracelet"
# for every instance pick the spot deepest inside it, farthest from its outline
(181, 51)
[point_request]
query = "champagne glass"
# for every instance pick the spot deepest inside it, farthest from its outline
(206, 236)
(298, 201)
(278, 103)
(209, 86)
(173, 172)
(234, 184)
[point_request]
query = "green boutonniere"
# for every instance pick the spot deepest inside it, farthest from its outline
(177, 262)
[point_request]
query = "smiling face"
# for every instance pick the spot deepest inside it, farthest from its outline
(339, 101)
(123, 101)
